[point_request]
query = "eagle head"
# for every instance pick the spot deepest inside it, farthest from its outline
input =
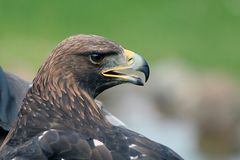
(95, 63)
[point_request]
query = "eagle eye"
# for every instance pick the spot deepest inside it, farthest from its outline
(96, 58)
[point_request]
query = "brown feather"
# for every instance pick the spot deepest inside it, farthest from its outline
(59, 116)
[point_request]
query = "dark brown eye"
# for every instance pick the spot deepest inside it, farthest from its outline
(96, 58)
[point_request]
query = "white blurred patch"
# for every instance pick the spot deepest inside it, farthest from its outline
(132, 145)
(41, 136)
(97, 143)
(115, 121)
(135, 157)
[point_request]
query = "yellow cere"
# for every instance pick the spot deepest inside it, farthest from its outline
(129, 55)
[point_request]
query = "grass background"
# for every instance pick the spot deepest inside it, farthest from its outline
(204, 33)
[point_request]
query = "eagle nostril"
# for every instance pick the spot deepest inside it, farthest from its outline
(130, 61)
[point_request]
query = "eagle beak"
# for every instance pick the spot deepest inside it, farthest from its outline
(133, 62)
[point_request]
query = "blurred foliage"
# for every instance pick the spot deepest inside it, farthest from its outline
(204, 33)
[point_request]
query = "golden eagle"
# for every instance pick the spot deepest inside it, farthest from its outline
(59, 118)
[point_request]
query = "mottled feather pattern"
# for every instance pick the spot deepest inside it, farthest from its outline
(59, 118)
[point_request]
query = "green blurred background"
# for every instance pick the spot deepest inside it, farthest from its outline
(205, 34)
